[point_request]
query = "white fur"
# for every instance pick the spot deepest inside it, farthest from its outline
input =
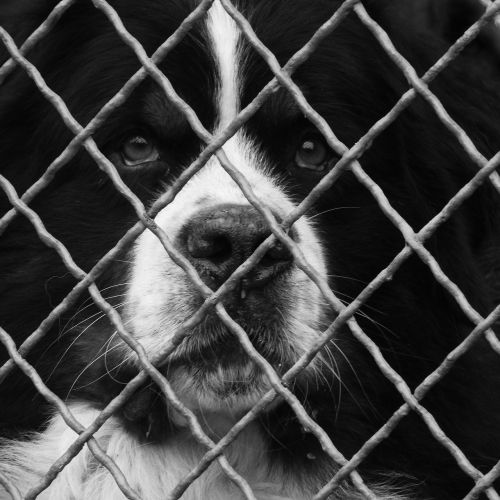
(153, 470)
(161, 297)
(224, 38)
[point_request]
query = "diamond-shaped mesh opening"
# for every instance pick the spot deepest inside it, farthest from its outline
(345, 314)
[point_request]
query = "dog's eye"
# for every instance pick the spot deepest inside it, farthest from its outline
(137, 150)
(313, 153)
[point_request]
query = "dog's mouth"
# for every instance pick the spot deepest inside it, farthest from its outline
(211, 370)
(219, 394)
(216, 369)
(212, 375)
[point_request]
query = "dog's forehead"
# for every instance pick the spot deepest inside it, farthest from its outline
(217, 71)
(224, 39)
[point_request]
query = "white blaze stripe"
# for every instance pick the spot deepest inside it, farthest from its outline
(224, 37)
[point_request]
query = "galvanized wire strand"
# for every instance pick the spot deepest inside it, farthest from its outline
(485, 3)
(114, 103)
(10, 488)
(423, 90)
(67, 416)
(428, 383)
(40, 33)
(115, 319)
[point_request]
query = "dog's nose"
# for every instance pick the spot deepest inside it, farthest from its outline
(218, 240)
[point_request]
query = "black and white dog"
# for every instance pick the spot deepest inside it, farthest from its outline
(347, 239)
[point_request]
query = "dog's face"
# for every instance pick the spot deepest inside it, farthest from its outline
(215, 228)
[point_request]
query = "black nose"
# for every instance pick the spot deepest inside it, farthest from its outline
(218, 240)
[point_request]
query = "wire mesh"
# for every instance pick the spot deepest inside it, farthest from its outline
(282, 77)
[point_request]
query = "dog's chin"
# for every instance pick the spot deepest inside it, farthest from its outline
(228, 390)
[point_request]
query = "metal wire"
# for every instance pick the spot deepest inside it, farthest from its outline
(212, 299)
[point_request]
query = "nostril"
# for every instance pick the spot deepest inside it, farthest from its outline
(214, 247)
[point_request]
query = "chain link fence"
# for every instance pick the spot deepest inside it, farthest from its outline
(214, 146)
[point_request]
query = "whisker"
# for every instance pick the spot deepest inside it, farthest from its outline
(358, 380)
(100, 316)
(63, 331)
(96, 358)
(311, 217)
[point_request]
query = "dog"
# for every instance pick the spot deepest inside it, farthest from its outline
(345, 238)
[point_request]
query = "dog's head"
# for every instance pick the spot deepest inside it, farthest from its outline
(276, 154)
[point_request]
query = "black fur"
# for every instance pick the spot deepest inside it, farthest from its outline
(418, 163)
